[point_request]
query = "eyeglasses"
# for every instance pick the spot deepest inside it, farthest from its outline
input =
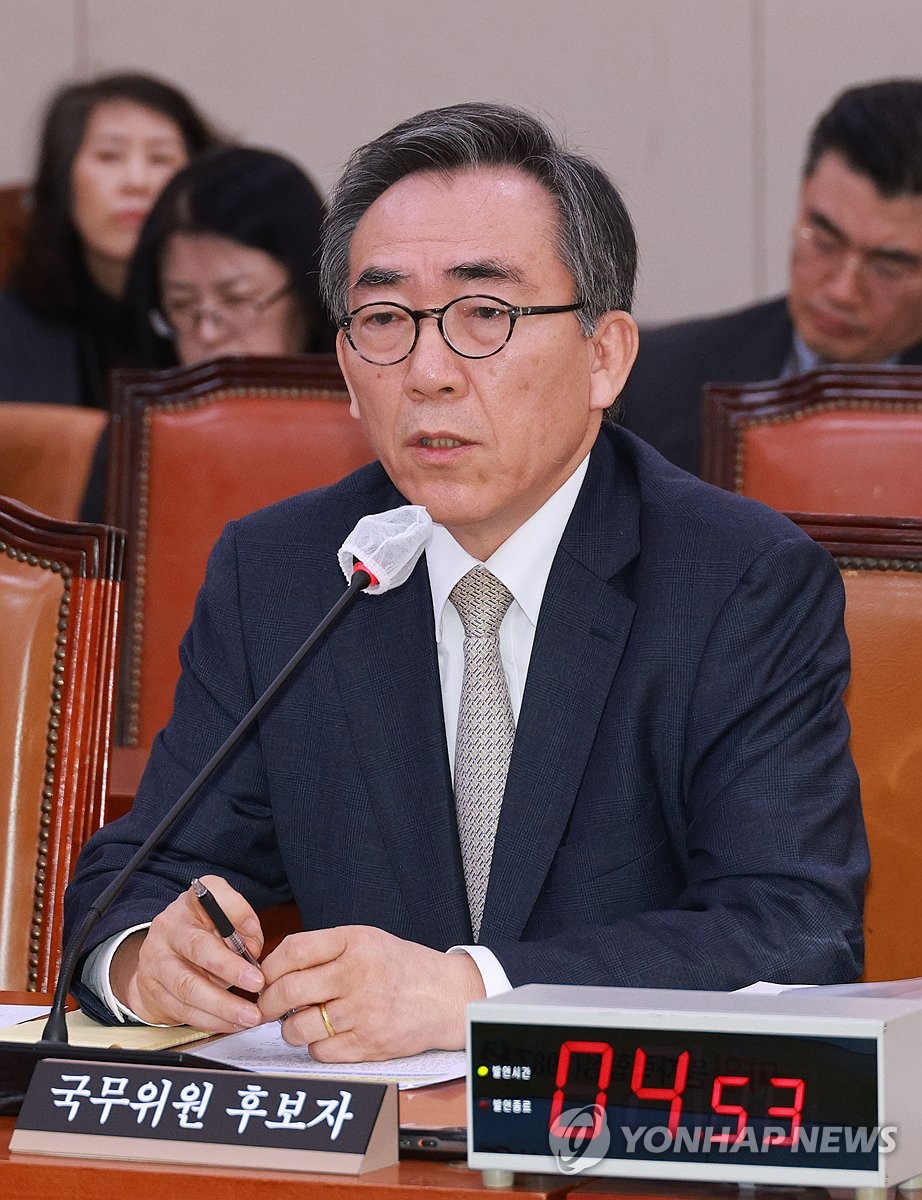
(232, 314)
(882, 270)
(473, 326)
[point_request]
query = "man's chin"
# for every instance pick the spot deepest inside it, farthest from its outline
(837, 350)
(835, 342)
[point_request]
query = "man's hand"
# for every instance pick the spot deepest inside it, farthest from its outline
(178, 971)
(384, 997)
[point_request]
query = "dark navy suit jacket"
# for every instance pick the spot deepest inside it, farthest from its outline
(681, 808)
(662, 399)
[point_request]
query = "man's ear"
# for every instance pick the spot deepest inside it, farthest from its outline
(344, 358)
(614, 346)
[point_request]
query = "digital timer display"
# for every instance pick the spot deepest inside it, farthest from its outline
(655, 1095)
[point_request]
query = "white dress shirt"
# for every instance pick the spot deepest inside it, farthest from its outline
(523, 563)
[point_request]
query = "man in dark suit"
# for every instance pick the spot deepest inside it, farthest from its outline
(679, 808)
(855, 290)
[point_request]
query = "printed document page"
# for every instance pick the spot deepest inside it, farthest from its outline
(263, 1049)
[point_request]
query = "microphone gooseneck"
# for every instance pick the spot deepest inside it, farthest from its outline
(389, 545)
(56, 1026)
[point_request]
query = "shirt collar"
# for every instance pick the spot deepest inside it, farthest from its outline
(523, 562)
(804, 359)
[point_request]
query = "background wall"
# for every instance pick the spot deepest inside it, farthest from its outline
(698, 108)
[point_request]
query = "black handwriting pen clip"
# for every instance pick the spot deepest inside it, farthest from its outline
(222, 921)
(225, 928)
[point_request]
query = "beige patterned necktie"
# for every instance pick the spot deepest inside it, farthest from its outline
(486, 729)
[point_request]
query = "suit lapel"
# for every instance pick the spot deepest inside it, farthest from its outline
(582, 630)
(387, 670)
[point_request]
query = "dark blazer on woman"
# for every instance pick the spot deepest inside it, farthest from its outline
(39, 359)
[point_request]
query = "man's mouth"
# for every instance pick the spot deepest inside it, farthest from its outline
(439, 443)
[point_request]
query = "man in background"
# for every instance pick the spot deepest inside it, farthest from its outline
(855, 287)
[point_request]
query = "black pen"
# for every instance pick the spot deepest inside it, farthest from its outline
(222, 921)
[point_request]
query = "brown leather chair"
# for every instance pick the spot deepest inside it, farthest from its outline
(836, 440)
(59, 612)
(192, 448)
(46, 451)
(14, 216)
(881, 565)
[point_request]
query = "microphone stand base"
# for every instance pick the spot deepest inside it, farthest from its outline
(18, 1060)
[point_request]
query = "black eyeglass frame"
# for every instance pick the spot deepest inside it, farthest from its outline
(514, 311)
(164, 327)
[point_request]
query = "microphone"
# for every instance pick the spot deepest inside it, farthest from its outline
(388, 545)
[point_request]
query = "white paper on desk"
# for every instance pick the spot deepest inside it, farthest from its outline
(15, 1014)
(887, 988)
(762, 988)
(263, 1049)
(894, 989)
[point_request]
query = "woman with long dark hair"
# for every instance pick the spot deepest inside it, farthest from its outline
(108, 147)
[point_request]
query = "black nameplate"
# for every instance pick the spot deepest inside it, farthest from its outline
(186, 1115)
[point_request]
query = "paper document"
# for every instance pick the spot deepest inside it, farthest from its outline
(12, 1014)
(892, 988)
(262, 1049)
(771, 989)
(84, 1031)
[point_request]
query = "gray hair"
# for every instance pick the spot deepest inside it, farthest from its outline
(596, 237)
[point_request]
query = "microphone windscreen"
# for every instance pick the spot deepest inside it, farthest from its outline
(388, 544)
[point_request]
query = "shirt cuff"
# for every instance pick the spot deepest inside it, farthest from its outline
(95, 976)
(495, 979)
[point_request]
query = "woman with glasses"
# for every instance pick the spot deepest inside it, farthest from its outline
(227, 262)
(107, 148)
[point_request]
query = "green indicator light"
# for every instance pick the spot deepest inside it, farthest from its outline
(481, 1071)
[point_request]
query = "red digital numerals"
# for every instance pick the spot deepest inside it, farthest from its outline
(672, 1094)
(578, 1133)
(720, 1101)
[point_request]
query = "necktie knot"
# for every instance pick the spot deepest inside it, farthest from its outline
(481, 601)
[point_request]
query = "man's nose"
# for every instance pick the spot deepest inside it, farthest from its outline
(845, 283)
(433, 368)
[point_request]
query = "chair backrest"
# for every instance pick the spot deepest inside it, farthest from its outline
(46, 451)
(881, 565)
(14, 216)
(59, 612)
(192, 448)
(836, 440)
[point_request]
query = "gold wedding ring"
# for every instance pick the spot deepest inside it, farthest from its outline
(327, 1023)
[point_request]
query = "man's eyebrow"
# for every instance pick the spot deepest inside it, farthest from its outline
(815, 217)
(474, 271)
(485, 268)
(893, 254)
(380, 277)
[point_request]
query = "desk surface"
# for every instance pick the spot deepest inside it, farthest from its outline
(39, 1177)
(36, 1177)
(33, 1177)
